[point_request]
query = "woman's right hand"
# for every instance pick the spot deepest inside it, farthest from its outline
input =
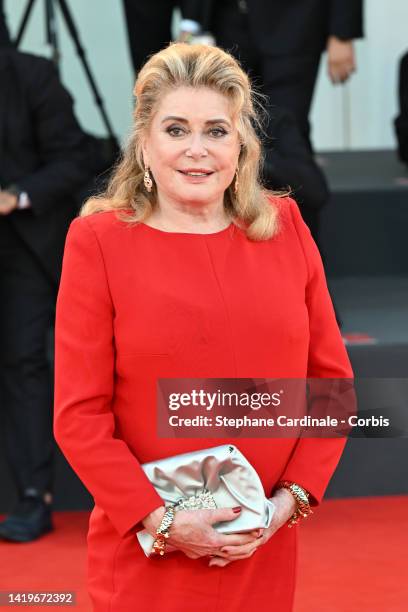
(193, 532)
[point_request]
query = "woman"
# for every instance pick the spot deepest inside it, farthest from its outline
(187, 268)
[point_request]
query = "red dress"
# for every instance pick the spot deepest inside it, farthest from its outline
(137, 303)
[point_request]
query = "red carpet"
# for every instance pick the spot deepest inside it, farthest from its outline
(353, 558)
(56, 562)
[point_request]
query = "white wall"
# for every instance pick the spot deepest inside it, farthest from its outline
(358, 115)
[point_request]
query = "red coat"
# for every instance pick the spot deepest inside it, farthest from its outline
(137, 303)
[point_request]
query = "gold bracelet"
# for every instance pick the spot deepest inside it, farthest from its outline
(301, 496)
(163, 531)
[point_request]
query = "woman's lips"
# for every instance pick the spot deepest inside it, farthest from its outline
(196, 176)
(196, 172)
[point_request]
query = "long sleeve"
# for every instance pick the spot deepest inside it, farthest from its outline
(346, 19)
(315, 459)
(84, 424)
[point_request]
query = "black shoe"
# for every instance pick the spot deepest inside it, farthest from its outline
(30, 519)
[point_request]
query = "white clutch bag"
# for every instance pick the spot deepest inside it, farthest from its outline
(218, 477)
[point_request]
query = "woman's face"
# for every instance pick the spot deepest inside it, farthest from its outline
(192, 147)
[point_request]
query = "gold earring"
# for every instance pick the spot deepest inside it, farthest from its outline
(236, 185)
(148, 183)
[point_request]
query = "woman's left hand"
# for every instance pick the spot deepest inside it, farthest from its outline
(285, 507)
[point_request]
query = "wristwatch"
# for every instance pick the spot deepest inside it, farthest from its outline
(23, 201)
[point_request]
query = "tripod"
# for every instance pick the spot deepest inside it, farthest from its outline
(52, 38)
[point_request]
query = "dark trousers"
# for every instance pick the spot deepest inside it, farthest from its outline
(149, 27)
(4, 35)
(27, 312)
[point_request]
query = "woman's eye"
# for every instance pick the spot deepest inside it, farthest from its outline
(217, 132)
(175, 131)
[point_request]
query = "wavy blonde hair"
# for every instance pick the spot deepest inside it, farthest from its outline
(178, 65)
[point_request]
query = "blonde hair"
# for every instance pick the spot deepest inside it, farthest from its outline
(177, 65)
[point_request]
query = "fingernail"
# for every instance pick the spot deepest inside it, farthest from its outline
(237, 509)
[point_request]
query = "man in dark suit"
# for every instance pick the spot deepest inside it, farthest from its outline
(280, 42)
(42, 165)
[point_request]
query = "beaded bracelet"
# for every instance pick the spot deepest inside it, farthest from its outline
(301, 496)
(163, 531)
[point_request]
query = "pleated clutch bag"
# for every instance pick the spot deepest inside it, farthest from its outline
(218, 477)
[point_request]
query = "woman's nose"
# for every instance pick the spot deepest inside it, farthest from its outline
(196, 147)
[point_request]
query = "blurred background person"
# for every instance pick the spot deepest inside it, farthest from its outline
(43, 163)
(288, 157)
(280, 43)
